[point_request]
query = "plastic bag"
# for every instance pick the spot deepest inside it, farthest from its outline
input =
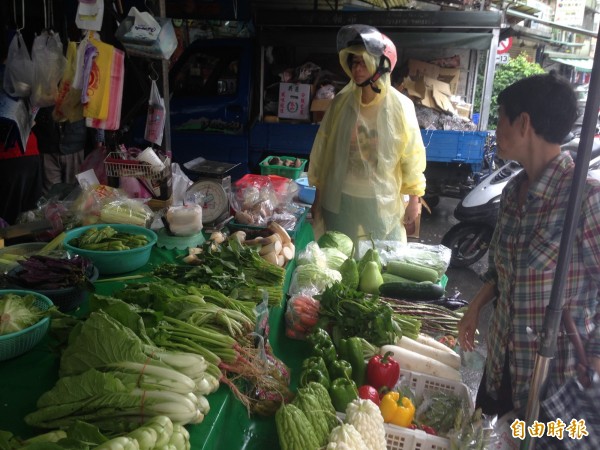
(312, 254)
(127, 211)
(180, 184)
(185, 220)
(155, 119)
(310, 278)
(18, 74)
(48, 67)
(436, 257)
(95, 161)
(145, 28)
(301, 315)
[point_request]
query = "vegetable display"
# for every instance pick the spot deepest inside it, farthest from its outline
(233, 269)
(47, 272)
(108, 239)
(157, 432)
(110, 378)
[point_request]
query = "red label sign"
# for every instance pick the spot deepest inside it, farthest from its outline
(504, 45)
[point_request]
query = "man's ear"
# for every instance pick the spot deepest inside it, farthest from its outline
(524, 122)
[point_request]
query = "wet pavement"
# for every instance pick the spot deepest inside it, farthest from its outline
(464, 281)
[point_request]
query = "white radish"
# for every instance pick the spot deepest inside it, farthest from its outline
(272, 247)
(270, 257)
(428, 340)
(453, 360)
(277, 228)
(281, 260)
(287, 252)
(415, 362)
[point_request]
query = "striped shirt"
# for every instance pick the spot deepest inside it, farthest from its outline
(522, 263)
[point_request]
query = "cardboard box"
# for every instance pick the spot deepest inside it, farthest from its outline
(450, 76)
(420, 69)
(318, 107)
(294, 101)
(430, 93)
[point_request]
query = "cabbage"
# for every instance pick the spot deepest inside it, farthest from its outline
(18, 312)
(312, 278)
(336, 239)
(334, 257)
(312, 254)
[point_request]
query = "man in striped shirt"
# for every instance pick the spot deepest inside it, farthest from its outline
(535, 115)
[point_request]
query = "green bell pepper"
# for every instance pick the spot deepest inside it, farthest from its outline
(322, 345)
(340, 369)
(354, 355)
(314, 374)
(314, 369)
(342, 391)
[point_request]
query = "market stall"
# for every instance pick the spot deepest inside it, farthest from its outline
(226, 426)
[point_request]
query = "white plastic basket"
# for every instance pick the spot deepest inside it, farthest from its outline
(421, 384)
(401, 438)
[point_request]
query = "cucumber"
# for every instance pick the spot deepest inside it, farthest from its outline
(389, 278)
(425, 290)
(411, 271)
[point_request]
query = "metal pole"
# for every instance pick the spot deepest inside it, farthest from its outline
(553, 314)
(166, 94)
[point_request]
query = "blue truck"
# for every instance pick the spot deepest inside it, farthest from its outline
(218, 91)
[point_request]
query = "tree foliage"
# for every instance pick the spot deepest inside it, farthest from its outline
(506, 74)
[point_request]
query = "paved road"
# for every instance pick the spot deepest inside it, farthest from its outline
(465, 281)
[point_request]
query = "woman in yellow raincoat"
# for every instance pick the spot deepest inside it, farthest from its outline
(368, 152)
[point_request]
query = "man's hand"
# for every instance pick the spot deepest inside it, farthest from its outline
(412, 210)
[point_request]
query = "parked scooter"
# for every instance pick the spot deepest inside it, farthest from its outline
(478, 210)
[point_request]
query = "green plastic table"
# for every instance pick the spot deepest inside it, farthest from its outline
(227, 426)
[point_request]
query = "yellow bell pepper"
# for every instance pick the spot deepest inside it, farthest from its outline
(397, 409)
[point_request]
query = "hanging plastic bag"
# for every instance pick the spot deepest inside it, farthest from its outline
(115, 98)
(96, 84)
(68, 99)
(145, 28)
(18, 74)
(155, 119)
(48, 67)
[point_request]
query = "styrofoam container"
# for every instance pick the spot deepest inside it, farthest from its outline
(118, 261)
(306, 194)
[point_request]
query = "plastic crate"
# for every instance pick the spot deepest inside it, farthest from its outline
(400, 438)
(455, 146)
(288, 172)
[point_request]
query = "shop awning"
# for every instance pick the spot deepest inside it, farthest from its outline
(582, 65)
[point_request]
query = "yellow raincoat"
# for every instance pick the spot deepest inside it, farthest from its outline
(370, 153)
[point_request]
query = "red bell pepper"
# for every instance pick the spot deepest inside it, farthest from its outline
(383, 371)
(367, 392)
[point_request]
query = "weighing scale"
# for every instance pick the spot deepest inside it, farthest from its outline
(214, 184)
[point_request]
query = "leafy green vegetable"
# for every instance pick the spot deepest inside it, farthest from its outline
(18, 312)
(354, 313)
(312, 276)
(334, 258)
(336, 239)
(98, 397)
